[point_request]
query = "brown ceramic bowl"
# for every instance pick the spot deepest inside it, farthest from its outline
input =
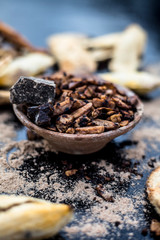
(80, 143)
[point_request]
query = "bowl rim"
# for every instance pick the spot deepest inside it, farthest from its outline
(116, 132)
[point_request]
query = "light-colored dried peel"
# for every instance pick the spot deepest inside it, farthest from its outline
(153, 188)
(4, 97)
(105, 41)
(140, 82)
(30, 64)
(128, 50)
(70, 54)
(101, 54)
(30, 218)
(4, 62)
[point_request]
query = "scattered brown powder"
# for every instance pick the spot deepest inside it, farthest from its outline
(152, 110)
(7, 131)
(24, 149)
(147, 137)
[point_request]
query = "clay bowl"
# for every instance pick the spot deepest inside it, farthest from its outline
(80, 143)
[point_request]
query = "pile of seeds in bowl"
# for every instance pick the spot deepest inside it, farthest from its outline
(83, 105)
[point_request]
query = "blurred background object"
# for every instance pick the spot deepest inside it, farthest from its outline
(38, 19)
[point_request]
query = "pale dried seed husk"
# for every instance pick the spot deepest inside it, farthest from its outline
(140, 82)
(4, 97)
(107, 41)
(153, 188)
(99, 55)
(22, 216)
(70, 54)
(29, 65)
(128, 50)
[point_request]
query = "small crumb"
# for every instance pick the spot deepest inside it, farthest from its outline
(117, 223)
(70, 172)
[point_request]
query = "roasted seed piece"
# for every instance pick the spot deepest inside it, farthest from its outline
(22, 217)
(81, 89)
(91, 80)
(75, 95)
(99, 102)
(70, 172)
(54, 129)
(57, 76)
(109, 113)
(89, 92)
(132, 100)
(75, 82)
(124, 123)
(111, 104)
(82, 96)
(78, 104)
(127, 115)
(65, 93)
(116, 117)
(95, 113)
(106, 196)
(70, 131)
(121, 97)
(82, 121)
(90, 130)
(107, 124)
(62, 107)
(100, 112)
(79, 112)
(102, 89)
(63, 122)
(120, 103)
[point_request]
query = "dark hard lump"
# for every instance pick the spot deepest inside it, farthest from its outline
(30, 90)
(41, 115)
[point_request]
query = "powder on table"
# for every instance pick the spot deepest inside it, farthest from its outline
(32, 169)
(7, 131)
(146, 135)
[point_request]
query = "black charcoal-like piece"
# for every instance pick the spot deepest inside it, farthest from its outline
(32, 112)
(40, 115)
(30, 90)
(42, 119)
